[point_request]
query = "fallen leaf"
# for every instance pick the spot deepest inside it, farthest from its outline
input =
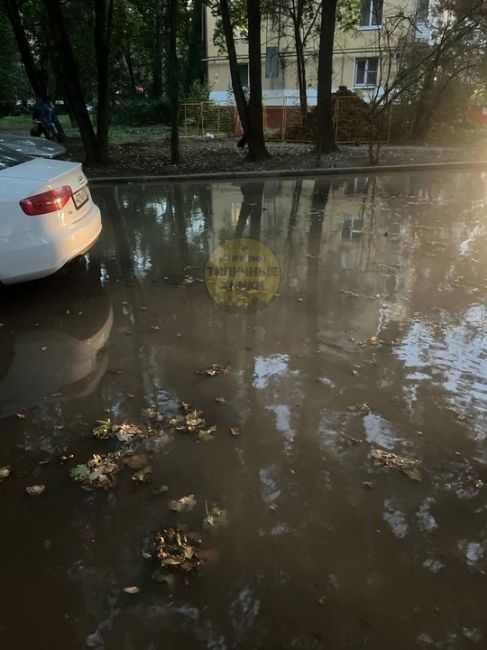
(182, 504)
(131, 590)
(215, 518)
(215, 369)
(235, 431)
(101, 473)
(363, 409)
(408, 466)
(143, 475)
(220, 400)
(368, 484)
(162, 489)
(4, 473)
(79, 472)
(103, 430)
(176, 551)
(207, 434)
(35, 490)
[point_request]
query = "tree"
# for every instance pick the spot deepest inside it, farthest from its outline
(36, 73)
(173, 79)
(102, 33)
(300, 17)
(68, 70)
(418, 67)
(251, 112)
(326, 134)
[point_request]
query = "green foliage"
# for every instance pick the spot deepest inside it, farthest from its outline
(199, 92)
(348, 12)
(137, 112)
(13, 82)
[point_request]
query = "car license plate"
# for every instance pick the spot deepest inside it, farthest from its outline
(81, 197)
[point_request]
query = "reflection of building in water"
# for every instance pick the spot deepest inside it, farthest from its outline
(380, 236)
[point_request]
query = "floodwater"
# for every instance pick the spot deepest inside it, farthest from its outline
(382, 301)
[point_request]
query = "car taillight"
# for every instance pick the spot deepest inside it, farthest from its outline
(47, 201)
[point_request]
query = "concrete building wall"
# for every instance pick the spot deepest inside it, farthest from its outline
(350, 47)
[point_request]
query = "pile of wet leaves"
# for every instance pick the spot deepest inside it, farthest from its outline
(98, 472)
(192, 420)
(176, 551)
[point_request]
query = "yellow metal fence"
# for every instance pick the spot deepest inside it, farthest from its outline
(353, 121)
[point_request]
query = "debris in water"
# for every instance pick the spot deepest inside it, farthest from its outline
(35, 490)
(103, 430)
(182, 504)
(215, 369)
(363, 409)
(235, 431)
(131, 590)
(4, 473)
(127, 432)
(368, 484)
(220, 400)
(143, 475)
(20, 415)
(153, 413)
(162, 489)
(207, 434)
(176, 551)
(215, 518)
(192, 421)
(99, 472)
(408, 466)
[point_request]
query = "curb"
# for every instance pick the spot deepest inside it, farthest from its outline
(288, 173)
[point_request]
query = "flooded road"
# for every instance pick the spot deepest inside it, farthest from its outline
(372, 354)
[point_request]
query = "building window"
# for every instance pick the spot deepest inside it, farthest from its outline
(272, 62)
(371, 13)
(243, 73)
(366, 71)
(422, 10)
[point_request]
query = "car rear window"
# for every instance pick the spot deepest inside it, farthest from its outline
(10, 158)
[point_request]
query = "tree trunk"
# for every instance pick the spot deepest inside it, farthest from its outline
(173, 79)
(103, 27)
(195, 70)
(418, 129)
(37, 79)
(301, 68)
(70, 77)
(156, 90)
(238, 92)
(130, 68)
(326, 134)
(256, 143)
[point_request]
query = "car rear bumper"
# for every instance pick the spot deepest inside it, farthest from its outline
(27, 256)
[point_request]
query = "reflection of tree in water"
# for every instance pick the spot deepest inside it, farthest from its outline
(251, 209)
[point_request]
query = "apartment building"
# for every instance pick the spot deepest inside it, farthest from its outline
(356, 58)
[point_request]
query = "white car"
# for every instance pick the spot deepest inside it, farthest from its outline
(47, 216)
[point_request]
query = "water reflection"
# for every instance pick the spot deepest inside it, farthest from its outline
(53, 340)
(382, 302)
